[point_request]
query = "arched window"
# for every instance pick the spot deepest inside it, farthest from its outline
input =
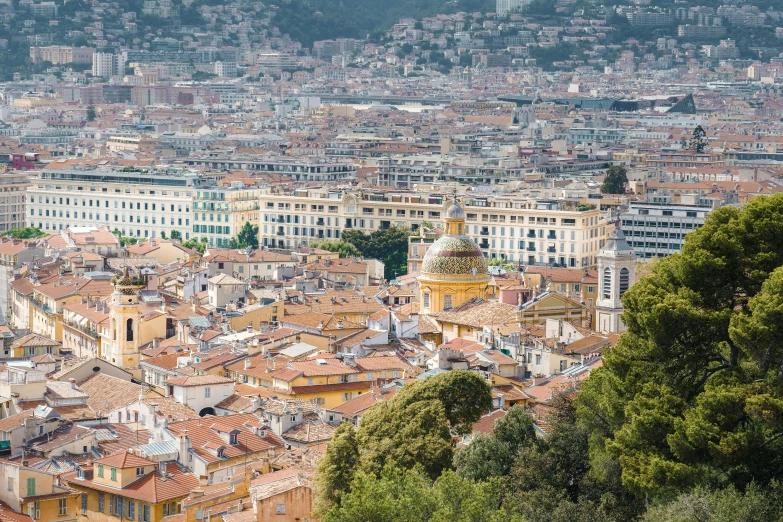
(607, 283)
(129, 330)
(624, 280)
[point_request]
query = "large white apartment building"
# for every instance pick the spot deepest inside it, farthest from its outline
(518, 229)
(139, 202)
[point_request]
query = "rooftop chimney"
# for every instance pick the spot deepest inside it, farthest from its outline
(247, 363)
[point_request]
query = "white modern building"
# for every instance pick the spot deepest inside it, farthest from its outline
(106, 65)
(659, 229)
(504, 7)
(139, 202)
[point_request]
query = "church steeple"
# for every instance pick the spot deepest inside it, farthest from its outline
(616, 274)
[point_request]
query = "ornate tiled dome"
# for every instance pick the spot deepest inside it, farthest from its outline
(456, 255)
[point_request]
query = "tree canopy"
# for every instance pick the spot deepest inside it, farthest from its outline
(699, 139)
(25, 233)
(615, 181)
(246, 237)
(389, 245)
(691, 394)
(343, 248)
(683, 421)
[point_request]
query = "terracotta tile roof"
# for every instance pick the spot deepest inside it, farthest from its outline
(152, 488)
(123, 438)
(15, 421)
(235, 403)
(165, 362)
(315, 368)
(310, 431)
(107, 393)
(477, 313)
(9, 515)
(248, 442)
(172, 409)
(199, 380)
(124, 459)
(383, 362)
(487, 422)
(34, 340)
(321, 388)
(360, 404)
(271, 484)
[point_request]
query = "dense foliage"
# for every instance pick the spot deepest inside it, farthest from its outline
(389, 245)
(615, 181)
(25, 233)
(683, 422)
(310, 20)
(246, 237)
(335, 245)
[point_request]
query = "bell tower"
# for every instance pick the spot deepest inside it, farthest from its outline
(616, 274)
(124, 318)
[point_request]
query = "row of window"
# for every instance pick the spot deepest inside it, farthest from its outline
(117, 204)
(117, 217)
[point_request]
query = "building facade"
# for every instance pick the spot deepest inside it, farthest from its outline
(659, 229)
(137, 202)
(519, 230)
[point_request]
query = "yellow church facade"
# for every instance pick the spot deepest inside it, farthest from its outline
(454, 269)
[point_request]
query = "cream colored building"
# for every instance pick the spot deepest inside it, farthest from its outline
(518, 229)
(219, 213)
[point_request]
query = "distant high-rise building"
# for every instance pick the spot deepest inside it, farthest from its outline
(504, 7)
(226, 69)
(106, 65)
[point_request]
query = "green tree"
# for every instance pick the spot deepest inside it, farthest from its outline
(755, 504)
(246, 237)
(336, 469)
(404, 434)
(90, 113)
(408, 495)
(163, 234)
(198, 246)
(335, 245)
(389, 245)
(699, 139)
(175, 234)
(465, 395)
(493, 455)
(690, 394)
(25, 233)
(615, 181)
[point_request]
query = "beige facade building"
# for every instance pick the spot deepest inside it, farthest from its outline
(61, 54)
(517, 229)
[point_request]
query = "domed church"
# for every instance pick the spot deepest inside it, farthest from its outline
(454, 269)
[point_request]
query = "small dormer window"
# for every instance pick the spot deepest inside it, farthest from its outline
(293, 418)
(220, 453)
(233, 439)
(139, 472)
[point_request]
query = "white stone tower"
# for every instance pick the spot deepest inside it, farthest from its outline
(616, 274)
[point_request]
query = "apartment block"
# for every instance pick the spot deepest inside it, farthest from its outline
(659, 229)
(520, 230)
(58, 54)
(139, 202)
(219, 213)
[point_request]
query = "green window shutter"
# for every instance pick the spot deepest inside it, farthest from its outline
(30, 487)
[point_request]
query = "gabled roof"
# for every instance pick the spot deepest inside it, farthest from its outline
(124, 459)
(248, 442)
(152, 488)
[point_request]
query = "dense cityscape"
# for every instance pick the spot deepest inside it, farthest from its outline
(475, 260)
